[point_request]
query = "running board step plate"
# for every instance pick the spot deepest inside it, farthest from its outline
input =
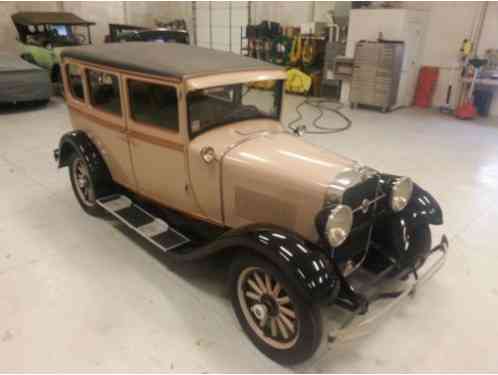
(155, 230)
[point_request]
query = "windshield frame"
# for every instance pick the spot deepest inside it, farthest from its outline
(279, 93)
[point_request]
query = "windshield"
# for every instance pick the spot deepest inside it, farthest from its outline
(212, 107)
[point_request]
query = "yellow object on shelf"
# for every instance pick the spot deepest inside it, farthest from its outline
(297, 82)
(263, 85)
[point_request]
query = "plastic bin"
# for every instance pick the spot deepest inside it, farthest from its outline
(482, 101)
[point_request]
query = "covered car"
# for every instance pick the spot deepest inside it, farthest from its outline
(21, 81)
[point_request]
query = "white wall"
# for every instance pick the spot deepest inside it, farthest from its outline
(450, 23)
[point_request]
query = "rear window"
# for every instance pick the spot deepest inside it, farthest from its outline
(104, 91)
(75, 81)
(153, 104)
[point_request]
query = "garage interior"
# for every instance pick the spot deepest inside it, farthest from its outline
(79, 293)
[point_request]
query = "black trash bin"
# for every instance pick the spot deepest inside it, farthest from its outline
(482, 101)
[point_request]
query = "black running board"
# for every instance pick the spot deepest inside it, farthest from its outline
(153, 229)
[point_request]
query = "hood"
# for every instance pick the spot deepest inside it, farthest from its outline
(290, 158)
(280, 179)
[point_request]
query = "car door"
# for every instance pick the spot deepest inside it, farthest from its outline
(157, 143)
(94, 102)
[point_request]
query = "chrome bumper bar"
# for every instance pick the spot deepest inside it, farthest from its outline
(356, 326)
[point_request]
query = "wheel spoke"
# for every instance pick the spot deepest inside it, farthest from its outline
(268, 283)
(273, 326)
(288, 312)
(283, 300)
(253, 295)
(260, 282)
(282, 328)
(287, 322)
(276, 290)
(254, 286)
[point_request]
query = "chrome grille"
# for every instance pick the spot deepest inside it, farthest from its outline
(366, 200)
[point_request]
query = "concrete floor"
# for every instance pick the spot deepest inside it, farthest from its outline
(82, 294)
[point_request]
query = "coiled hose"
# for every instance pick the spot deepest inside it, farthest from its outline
(320, 105)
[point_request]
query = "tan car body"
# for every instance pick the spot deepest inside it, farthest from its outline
(262, 173)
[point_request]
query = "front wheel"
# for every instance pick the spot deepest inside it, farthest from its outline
(275, 317)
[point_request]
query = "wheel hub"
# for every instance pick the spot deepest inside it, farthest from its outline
(260, 311)
(270, 304)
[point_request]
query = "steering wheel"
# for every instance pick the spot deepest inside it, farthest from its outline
(244, 110)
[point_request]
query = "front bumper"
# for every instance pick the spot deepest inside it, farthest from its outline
(355, 326)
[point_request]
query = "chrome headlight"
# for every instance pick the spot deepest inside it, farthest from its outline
(401, 193)
(339, 225)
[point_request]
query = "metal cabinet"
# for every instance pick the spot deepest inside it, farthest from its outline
(376, 73)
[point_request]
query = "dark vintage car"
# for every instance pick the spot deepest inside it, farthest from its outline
(129, 33)
(186, 147)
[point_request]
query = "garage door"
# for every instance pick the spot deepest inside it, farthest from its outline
(218, 24)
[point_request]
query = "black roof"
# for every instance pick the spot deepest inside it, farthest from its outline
(47, 18)
(166, 59)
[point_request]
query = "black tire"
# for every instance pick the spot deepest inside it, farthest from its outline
(420, 245)
(89, 205)
(306, 336)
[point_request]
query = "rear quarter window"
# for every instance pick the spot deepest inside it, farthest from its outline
(104, 91)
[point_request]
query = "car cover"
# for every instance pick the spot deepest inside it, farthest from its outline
(21, 81)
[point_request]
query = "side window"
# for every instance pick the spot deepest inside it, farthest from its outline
(153, 104)
(104, 91)
(75, 81)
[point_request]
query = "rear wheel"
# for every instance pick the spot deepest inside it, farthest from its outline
(275, 317)
(85, 185)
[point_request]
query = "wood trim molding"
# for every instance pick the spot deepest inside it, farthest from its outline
(178, 146)
(95, 118)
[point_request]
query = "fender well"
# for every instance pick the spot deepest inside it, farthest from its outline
(79, 142)
(305, 265)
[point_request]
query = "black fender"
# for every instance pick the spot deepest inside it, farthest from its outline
(79, 142)
(422, 207)
(306, 265)
(393, 231)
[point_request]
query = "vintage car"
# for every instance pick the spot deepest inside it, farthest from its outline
(185, 146)
(130, 33)
(21, 81)
(42, 34)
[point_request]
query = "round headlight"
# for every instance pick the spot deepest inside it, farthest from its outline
(401, 193)
(339, 225)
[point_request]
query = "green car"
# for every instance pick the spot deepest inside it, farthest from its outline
(44, 34)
